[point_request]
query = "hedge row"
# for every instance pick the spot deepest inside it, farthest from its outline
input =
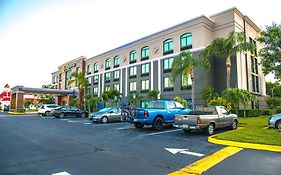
(257, 112)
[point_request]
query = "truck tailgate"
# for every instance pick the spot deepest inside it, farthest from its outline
(186, 119)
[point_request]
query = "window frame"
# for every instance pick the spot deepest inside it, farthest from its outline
(145, 53)
(107, 64)
(116, 61)
(133, 56)
(186, 37)
(169, 44)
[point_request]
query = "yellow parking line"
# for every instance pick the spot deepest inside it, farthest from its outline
(245, 145)
(206, 163)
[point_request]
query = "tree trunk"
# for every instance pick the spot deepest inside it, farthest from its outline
(192, 90)
(228, 68)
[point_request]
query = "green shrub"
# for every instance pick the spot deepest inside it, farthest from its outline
(269, 111)
(254, 113)
(273, 102)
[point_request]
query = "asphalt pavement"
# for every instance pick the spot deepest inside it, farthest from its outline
(45, 145)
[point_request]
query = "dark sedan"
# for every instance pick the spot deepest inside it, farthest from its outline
(68, 111)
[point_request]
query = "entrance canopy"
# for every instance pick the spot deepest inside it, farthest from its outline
(55, 92)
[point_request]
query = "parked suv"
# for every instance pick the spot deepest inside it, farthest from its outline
(45, 109)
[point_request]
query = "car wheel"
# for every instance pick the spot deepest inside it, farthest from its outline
(211, 129)
(104, 120)
(83, 115)
(61, 115)
(47, 114)
(234, 125)
(158, 124)
(139, 125)
(278, 125)
(41, 115)
(186, 131)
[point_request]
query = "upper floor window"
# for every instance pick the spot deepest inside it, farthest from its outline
(95, 90)
(145, 69)
(133, 56)
(116, 61)
(133, 86)
(89, 69)
(167, 64)
(107, 77)
(96, 79)
(78, 69)
(254, 63)
(106, 88)
(255, 45)
(116, 75)
(107, 64)
(89, 80)
(168, 46)
(144, 85)
(145, 53)
(133, 72)
(186, 41)
(185, 82)
(96, 67)
(168, 84)
(116, 86)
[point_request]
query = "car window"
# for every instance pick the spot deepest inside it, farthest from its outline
(52, 106)
(157, 105)
(66, 108)
(223, 110)
(74, 108)
(114, 110)
(104, 110)
(171, 105)
(179, 105)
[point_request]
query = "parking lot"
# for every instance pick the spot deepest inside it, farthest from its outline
(45, 145)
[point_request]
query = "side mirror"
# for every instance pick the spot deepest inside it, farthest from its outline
(110, 112)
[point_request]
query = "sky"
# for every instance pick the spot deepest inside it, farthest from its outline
(36, 36)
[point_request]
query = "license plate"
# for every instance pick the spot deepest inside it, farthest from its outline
(185, 126)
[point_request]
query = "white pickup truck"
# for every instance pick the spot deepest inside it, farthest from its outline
(206, 117)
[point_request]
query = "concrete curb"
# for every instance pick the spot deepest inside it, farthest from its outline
(22, 113)
(273, 148)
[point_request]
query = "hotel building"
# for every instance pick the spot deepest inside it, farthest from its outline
(145, 64)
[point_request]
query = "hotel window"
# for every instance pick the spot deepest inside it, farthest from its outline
(78, 69)
(186, 41)
(116, 61)
(254, 43)
(89, 69)
(145, 53)
(167, 64)
(144, 86)
(107, 64)
(95, 90)
(116, 75)
(168, 46)
(107, 77)
(133, 86)
(96, 79)
(116, 86)
(133, 56)
(96, 67)
(255, 75)
(168, 84)
(145, 69)
(185, 82)
(133, 72)
(106, 88)
(89, 80)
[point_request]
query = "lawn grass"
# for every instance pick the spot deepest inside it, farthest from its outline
(253, 130)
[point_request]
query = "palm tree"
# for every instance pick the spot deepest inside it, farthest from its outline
(184, 65)
(152, 95)
(227, 47)
(209, 94)
(233, 96)
(246, 97)
(81, 83)
(111, 95)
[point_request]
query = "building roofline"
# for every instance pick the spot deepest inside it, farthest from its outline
(203, 17)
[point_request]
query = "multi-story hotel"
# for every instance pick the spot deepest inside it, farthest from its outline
(145, 64)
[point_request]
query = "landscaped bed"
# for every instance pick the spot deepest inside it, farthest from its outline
(253, 130)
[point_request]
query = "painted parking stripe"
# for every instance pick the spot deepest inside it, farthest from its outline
(163, 132)
(87, 123)
(62, 173)
(125, 128)
(208, 162)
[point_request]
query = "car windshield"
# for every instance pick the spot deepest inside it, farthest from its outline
(104, 110)
(156, 105)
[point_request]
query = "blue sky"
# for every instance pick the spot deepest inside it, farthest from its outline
(36, 36)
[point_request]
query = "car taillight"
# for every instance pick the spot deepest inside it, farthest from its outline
(54, 110)
(198, 120)
(145, 114)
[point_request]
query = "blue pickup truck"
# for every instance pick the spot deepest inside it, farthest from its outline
(158, 113)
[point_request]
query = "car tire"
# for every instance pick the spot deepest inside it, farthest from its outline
(47, 113)
(104, 120)
(234, 125)
(187, 131)
(211, 129)
(61, 115)
(83, 115)
(158, 124)
(139, 125)
(278, 125)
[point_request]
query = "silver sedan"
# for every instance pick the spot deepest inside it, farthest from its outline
(107, 115)
(275, 121)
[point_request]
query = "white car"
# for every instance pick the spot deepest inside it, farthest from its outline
(45, 109)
